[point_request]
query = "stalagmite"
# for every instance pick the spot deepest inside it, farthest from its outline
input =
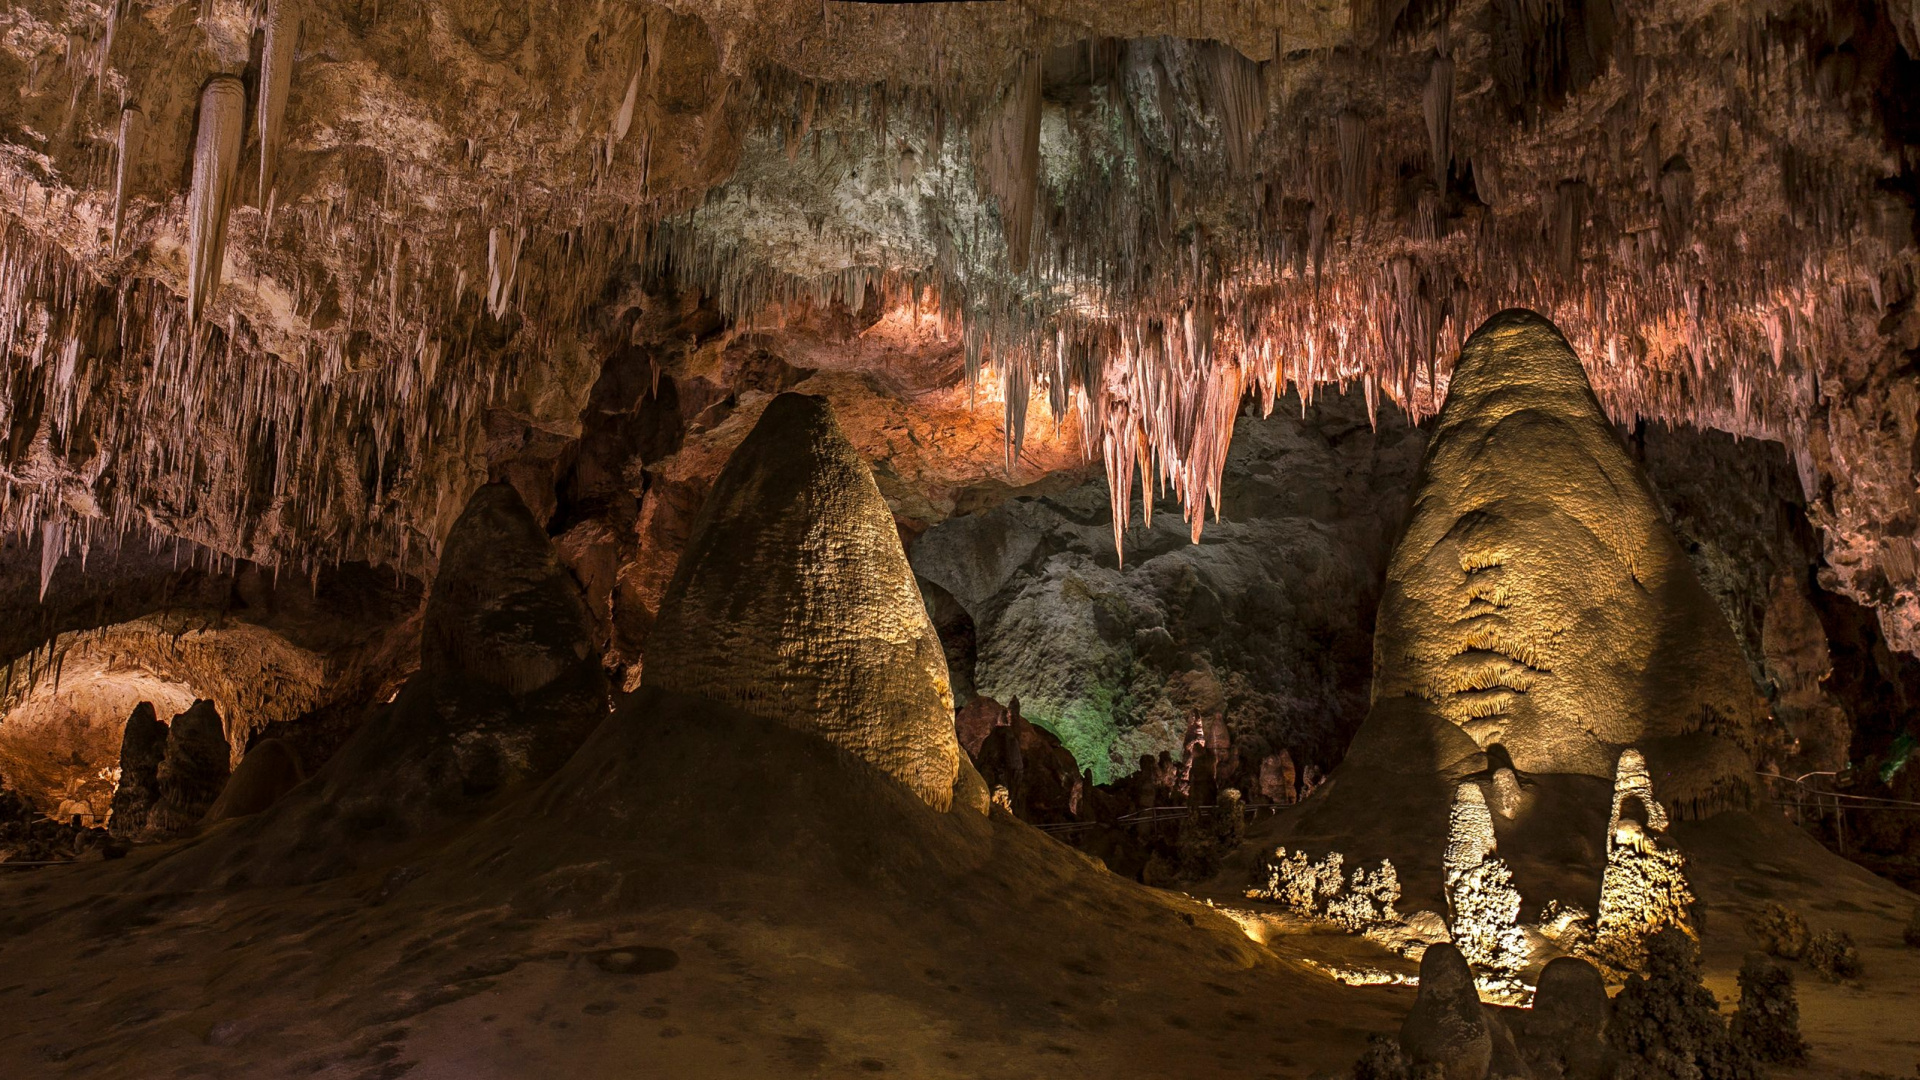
(142, 746)
(132, 129)
(216, 161)
(282, 25)
(1470, 839)
(1644, 888)
(794, 601)
(193, 771)
(1538, 600)
(1631, 781)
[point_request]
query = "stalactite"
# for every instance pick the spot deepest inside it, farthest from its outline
(1010, 159)
(132, 130)
(282, 25)
(1436, 102)
(216, 159)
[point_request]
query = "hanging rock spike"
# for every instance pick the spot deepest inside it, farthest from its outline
(132, 129)
(216, 159)
(282, 27)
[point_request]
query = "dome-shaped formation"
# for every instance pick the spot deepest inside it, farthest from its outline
(793, 601)
(1538, 600)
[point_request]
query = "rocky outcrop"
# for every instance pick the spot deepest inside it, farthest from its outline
(793, 601)
(1565, 1033)
(193, 771)
(509, 686)
(269, 771)
(141, 749)
(1446, 1027)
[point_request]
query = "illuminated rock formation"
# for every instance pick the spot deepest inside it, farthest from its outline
(1644, 888)
(1537, 600)
(1482, 902)
(1538, 619)
(141, 749)
(794, 601)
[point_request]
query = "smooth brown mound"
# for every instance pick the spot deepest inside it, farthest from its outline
(699, 892)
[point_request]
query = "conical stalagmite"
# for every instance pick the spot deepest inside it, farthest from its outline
(794, 601)
(216, 162)
(141, 749)
(1538, 600)
(269, 771)
(1537, 610)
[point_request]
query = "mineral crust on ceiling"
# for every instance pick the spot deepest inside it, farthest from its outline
(444, 210)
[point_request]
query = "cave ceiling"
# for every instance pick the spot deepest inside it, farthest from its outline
(398, 218)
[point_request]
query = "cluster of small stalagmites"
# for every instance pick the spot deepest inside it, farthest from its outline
(1663, 1023)
(1320, 888)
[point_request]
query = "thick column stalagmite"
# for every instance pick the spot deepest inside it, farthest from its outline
(794, 601)
(1538, 619)
(141, 748)
(216, 162)
(194, 770)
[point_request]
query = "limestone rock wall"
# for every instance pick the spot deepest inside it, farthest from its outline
(1262, 631)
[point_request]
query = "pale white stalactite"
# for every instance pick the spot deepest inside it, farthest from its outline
(132, 130)
(282, 25)
(53, 538)
(216, 160)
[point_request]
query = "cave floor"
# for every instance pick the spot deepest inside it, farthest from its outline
(819, 923)
(788, 914)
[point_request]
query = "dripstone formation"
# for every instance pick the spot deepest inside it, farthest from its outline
(141, 749)
(1537, 600)
(1538, 620)
(193, 771)
(794, 601)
